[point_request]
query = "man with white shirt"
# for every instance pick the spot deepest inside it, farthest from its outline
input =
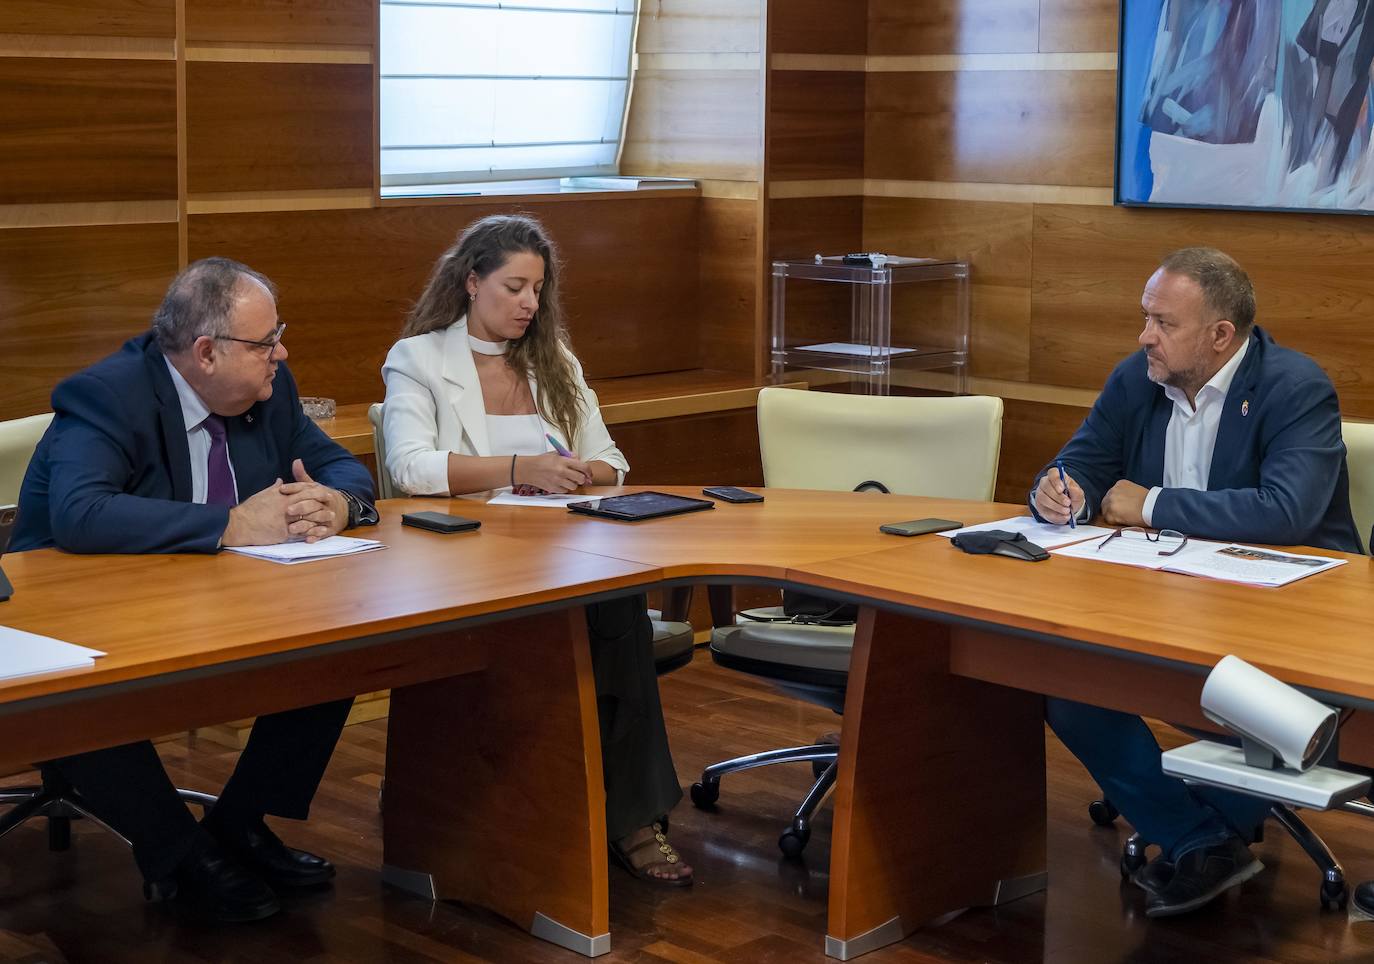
(180, 442)
(1215, 431)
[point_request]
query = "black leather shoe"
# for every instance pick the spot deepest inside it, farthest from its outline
(1154, 876)
(213, 885)
(1202, 874)
(262, 851)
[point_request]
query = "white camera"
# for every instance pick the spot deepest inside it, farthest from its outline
(1283, 733)
(1275, 722)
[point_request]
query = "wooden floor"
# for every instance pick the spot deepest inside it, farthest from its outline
(749, 904)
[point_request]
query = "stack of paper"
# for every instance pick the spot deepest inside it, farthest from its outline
(1212, 560)
(24, 654)
(548, 500)
(1043, 534)
(290, 553)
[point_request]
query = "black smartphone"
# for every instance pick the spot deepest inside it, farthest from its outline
(439, 522)
(728, 493)
(919, 527)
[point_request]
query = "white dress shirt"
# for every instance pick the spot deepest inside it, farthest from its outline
(193, 413)
(1192, 434)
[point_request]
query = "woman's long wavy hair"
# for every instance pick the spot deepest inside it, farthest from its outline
(544, 350)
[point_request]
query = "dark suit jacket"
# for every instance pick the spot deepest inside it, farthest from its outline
(1278, 471)
(113, 471)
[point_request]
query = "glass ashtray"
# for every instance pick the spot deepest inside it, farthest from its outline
(317, 408)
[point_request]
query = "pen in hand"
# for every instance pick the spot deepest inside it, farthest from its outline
(562, 451)
(1063, 480)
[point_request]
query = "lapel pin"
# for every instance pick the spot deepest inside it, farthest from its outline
(1245, 408)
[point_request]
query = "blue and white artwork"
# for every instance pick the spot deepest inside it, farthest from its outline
(1246, 103)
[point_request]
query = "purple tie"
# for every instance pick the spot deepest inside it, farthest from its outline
(219, 478)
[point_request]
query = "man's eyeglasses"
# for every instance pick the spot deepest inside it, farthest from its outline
(1171, 540)
(268, 343)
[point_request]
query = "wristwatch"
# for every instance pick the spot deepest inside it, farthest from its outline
(358, 513)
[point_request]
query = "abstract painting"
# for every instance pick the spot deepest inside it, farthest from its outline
(1246, 104)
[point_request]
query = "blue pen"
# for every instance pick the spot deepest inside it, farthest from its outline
(567, 455)
(1073, 524)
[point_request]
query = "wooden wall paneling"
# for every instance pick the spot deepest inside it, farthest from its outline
(819, 26)
(996, 241)
(715, 26)
(70, 296)
(1000, 126)
(1072, 26)
(728, 236)
(801, 228)
(278, 127)
(87, 130)
(718, 448)
(90, 18)
(1032, 434)
(816, 125)
(347, 279)
(694, 123)
(1311, 273)
(899, 27)
(281, 21)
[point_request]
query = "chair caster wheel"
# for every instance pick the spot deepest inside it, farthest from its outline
(1334, 895)
(705, 794)
(794, 840)
(1102, 812)
(1130, 863)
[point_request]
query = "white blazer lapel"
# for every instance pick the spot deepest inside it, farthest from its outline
(466, 393)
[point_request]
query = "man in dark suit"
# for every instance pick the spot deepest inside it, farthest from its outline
(179, 442)
(1215, 431)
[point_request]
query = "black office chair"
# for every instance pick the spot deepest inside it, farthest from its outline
(808, 662)
(60, 803)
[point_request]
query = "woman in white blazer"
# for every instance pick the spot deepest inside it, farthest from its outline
(482, 373)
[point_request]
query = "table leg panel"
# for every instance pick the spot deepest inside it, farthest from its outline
(494, 789)
(940, 801)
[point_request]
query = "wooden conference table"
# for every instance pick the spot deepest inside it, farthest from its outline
(493, 764)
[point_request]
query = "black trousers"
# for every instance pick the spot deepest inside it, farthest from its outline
(641, 784)
(277, 773)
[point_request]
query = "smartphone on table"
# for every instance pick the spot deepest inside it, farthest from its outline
(919, 527)
(439, 522)
(728, 493)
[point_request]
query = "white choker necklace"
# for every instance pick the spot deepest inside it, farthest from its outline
(487, 347)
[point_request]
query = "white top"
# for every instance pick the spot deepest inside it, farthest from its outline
(193, 414)
(434, 406)
(1192, 434)
(517, 435)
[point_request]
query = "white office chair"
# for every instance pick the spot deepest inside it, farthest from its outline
(386, 488)
(1359, 457)
(942, 447)
(54, 799)
(18, 438)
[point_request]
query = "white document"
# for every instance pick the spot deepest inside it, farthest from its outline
(1043, 534)
(25, 654)
(290, 553)
(1226, 561)
(546, 501)
(845, 348)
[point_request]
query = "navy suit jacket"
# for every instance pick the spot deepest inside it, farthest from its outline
(1278, 471)
(113, 471)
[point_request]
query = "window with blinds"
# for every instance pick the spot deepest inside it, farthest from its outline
(495, 90)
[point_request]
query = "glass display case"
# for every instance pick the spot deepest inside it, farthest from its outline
(879, 338)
